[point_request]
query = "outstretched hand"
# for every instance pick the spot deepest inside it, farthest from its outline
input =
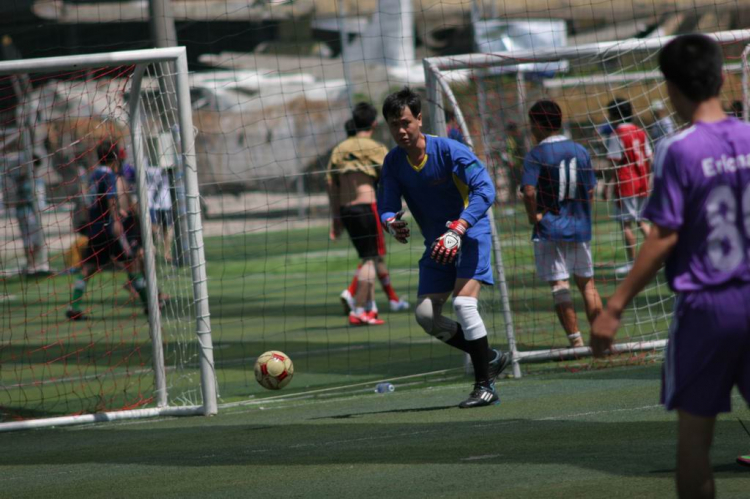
(398, 228)
(603, 332)
(446, 247)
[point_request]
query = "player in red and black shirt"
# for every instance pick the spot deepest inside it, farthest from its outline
(629, 150)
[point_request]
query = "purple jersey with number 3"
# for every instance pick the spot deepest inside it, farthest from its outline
(702, 190)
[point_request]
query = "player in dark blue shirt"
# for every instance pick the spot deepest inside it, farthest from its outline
(558, 184)
(107, 239)
(445, 187)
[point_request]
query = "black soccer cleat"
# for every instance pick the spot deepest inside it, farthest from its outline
(498, 365)
(76, 315)
(481, 396)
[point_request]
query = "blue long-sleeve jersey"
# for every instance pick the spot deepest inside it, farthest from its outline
(449, 184)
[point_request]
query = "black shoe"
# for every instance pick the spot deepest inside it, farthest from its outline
(76, 315)
(498, 365)
(481, 396)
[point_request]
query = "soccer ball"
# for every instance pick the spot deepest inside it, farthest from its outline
(274, 370)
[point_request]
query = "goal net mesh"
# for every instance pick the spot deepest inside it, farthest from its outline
(266, 117)
(493, 95)
(53, 128)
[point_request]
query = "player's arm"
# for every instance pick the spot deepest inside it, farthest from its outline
(529, 202)
(529, 182)
(116, 212)
(389, 204)
(658, 245)
(479, 192)
(124, 204)
(590, 177)
(334, 199)
(665, 209)
(615, 154)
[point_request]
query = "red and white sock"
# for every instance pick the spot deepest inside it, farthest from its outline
(355, 281)
(385, 282)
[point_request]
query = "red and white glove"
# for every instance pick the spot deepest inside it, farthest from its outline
(446, 247)
(398, 228)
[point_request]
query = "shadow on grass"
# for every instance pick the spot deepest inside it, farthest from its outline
(618, 448)
(391, 411)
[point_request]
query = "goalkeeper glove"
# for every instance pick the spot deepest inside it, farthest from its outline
(446, 247)
(397, 227)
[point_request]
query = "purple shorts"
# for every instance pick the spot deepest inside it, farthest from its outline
(708, 351)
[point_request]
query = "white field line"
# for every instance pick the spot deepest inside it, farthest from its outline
(593, 413)
(479, 458)
(296, 396)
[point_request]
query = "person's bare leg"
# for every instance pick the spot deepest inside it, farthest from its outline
(30, 261)
(366, 284)
(630, 241)
(592, 302)
(167, 232)
(385, 280)
(694, 475)
(565, 311)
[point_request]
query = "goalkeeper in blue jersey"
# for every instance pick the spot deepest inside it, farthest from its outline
(558, 186)
(449, 192)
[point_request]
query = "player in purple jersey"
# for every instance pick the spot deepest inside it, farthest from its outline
(446, 187)
(700, 209)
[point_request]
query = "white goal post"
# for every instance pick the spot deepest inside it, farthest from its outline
(442, 74)
(173, 63)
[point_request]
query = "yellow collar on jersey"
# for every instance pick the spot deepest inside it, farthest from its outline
(418, 168)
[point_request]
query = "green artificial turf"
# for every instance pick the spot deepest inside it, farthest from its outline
(586, 435)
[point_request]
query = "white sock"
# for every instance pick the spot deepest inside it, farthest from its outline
(574, 336)
(359, 310)
(371, 306)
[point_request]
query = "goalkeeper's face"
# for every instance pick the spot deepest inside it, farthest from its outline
(405, 128)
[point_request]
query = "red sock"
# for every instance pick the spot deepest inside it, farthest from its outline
(385, 282)
(353, 285)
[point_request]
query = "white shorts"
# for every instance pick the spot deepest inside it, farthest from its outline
(556, 260)
(629, 209)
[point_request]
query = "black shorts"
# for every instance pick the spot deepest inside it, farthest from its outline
(102, 248)
(363, 225)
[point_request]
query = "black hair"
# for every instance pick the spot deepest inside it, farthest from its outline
(449, 115)
(619, 110)
(396, 102)
(364, 116)
(546, 114)
(693, 64)
(350, 127)
(107, 152)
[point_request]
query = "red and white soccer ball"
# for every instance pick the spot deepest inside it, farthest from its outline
(274, 370)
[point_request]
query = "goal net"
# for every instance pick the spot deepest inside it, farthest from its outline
(598, 87)
(84, 137)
